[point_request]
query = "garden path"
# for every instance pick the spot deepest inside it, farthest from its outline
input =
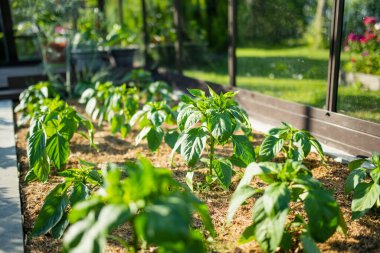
(11, 233)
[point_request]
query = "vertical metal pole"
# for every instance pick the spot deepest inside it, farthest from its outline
(121, 9)
(101, 5)
(334, 59)
(145, 33)
(178, 26)
(11, 51)
(232, 33)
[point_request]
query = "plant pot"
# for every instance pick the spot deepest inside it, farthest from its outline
(90, 60)
(370, 82)
(123, 57)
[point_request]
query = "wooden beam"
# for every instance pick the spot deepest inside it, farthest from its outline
(232, 33)
(178, 26)
(334, 59)
(10, 43)
(145, 33)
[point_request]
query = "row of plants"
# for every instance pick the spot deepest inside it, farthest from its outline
(159, 209)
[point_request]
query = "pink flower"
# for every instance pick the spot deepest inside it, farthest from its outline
(59, 29)
(368, 37)
(365, 53)
(369, 20)
(351, 37)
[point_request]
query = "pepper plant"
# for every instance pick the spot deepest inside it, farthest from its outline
(295, 144)
(49, 135)
(150, 120)
(365, 183)
(33, 98)
(276, 221)
(157, 208)
(159, 91)
(206, 122)
(116, 104)
(77, 185)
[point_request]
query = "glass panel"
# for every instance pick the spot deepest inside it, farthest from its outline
(359, 86)
(24, 31)
(3, 56)
(284, 55)
(162, 33)
(206, 40)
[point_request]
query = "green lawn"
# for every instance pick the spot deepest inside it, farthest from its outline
(297, 74)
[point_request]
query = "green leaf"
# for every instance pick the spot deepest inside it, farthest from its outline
(238, 198)
(308, 244)
(354, 178)
(248, 235)
(58, 230)
(221, 126)
(223, 170)
(243, 149)
(89, 235)
(154, 138)
(270, 147)
(269, 218)
(323, 213)
(57, 149)
(317, 147)
(136, 117)
(143, 133)
(171, 138)
(375, 175)
(365, 197)
(79, 192)
(36, 147)
(356, 163)
(52, 210)
(302, 142)
(124, 130)
(91, 105)
(30, 176)
(42, 168)
(167, 220)
(193, 143)
(197, 92)
(157, 117)
(188, 117)
(116, 123)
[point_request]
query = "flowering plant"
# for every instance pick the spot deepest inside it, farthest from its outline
(364, 48)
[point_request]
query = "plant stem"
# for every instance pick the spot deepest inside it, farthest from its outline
(211, 153)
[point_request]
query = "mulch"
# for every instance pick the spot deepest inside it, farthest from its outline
(363, 234)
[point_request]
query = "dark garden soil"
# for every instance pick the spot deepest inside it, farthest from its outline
(363, 234)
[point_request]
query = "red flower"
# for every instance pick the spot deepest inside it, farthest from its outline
(369, 20)
(352, 37)
(368, 37)
(353, 60)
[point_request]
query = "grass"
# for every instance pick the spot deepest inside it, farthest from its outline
(297, 74)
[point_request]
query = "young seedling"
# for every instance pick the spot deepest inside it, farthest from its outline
(157, 208)
(50, 132)
(209, 121)
(295, 144)
(150, 119)
(365, 183)
(116, 104)
(77, 185)
(276, 219)
(33, 98)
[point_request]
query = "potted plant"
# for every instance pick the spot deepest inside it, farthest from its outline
(88, 51)
(364, 50)
(121, 43)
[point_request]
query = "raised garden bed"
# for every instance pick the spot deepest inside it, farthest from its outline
(363, 235)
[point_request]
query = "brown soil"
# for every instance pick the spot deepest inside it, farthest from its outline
(363, 234)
